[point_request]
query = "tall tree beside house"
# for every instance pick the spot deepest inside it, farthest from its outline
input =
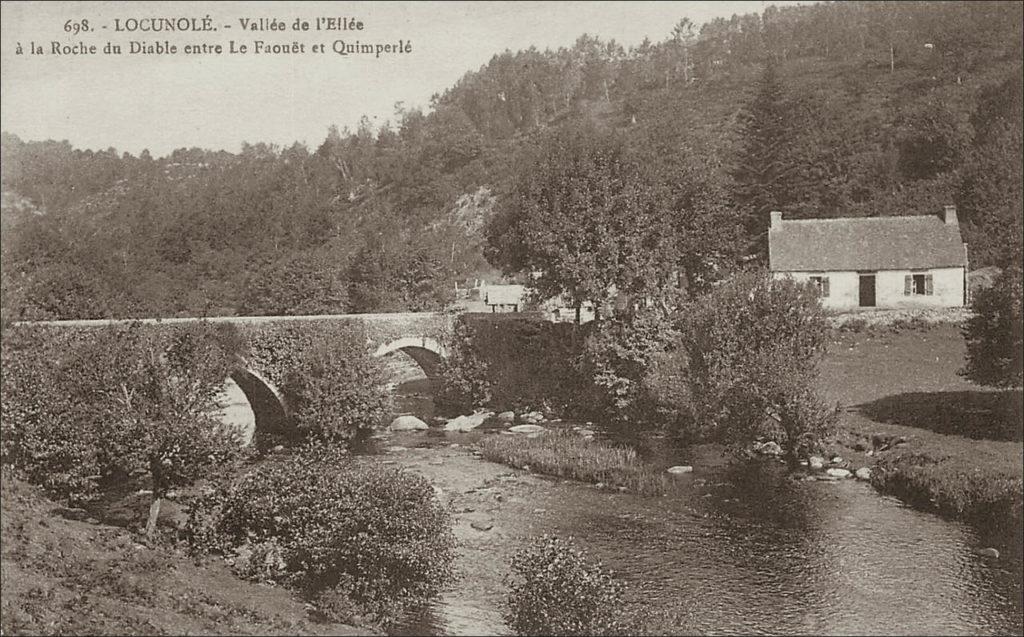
(764, 179)
(584, 220)
(989, 194)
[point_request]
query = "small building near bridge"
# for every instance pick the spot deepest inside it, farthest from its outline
(874, 262)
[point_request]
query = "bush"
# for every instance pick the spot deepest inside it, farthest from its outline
(464, 382)
(83, 409)
(752, 348)
(334, 529)
(556, 590)
(336, 389)
(995, 334)
(619, 355)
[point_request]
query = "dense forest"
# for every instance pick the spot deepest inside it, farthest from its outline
(836, 109)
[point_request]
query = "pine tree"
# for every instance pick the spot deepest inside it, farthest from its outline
(764, 179)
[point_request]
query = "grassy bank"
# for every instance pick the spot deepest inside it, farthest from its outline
(568, 455)
(64, 576)
(963, 451)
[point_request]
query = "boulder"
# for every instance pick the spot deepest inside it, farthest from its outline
(586, 433)
(408, 423)
(481, 525)
(680, 469)
(467, 423)
(816, 462)
(526, 429)
(838, 473)
(837, 460)
(864, 473)
(987, 552)
(507, 417)
(770, 448)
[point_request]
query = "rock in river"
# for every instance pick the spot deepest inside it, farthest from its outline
(816, 462)
(407, 423)
(680, 469)
(864, 473)
(526, 429)
(507, 417)
(481, 525)
(467, 423)
(987, 552)
(838, 473)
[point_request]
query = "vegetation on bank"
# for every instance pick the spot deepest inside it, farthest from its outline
(358, 540)
(555, 589)
(569, 455)
(63, 574)
(968, 479)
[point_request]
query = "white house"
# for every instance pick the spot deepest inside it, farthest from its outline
(874, 262)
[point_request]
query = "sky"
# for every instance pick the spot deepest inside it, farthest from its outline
(161, 102)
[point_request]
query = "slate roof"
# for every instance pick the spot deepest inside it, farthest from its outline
(865, 243)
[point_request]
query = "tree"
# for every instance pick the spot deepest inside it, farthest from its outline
(752, 347)
(995, 344)
(583, 221)
(165, 393)
(762, 174)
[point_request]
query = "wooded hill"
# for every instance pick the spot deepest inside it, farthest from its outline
(850, 108)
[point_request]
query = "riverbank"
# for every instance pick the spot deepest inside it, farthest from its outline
(64, 573)
(935, 440)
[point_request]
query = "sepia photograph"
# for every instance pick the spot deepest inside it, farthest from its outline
(512, 317)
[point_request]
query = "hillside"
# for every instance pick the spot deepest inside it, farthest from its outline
(892, 108)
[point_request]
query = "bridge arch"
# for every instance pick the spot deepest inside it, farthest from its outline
(425, 350)
(268, 404)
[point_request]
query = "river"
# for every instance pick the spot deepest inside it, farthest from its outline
(734, 548)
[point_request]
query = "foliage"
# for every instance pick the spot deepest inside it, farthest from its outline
(571, 455)
(763, 173)
(464, 382)
(584, 220)
(618, 355)
(995, 343)
(557, 590)
(335, 529)
(337, 389)
(752, 347)
(80, 408)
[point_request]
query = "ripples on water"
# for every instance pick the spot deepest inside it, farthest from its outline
(746, 549)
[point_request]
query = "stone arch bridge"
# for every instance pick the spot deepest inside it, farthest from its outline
(412, 336)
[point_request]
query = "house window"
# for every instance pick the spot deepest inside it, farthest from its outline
(918, 285)
(821, 282)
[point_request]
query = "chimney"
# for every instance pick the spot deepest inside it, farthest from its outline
(777, 220)
(949, 214)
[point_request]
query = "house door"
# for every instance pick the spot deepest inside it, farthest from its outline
(867, 290)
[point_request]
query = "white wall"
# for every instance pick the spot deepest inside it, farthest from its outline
(844, 288)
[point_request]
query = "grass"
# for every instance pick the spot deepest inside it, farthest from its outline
(63, 576)
(963, 455)
(568, 455)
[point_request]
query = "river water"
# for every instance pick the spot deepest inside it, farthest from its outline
(734, 548)
(746, 549)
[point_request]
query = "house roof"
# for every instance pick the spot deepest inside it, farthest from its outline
(865, 243)
(505, 294)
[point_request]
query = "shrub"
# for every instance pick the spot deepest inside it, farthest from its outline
(336, 389)
(995, 334)
(333, 528)
(556, 590)
(464, 382)
(618, 356)
(82, 408)
(752, 348)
